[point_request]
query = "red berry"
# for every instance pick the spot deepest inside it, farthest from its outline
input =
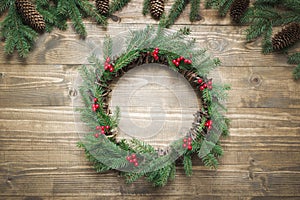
(181, 58)
(189, 62)
(209, 122)
(184, 140)
(209, 83)
(133, 156)
(98, 127)
(186, 61)
(107, 127)
(108, 59)
(102, 128)
(155, 52)
(156, 49)
(201, 88)
(174, 61)
(95, 99)
(136, 164)
(155, 57)
(178, 59)
(189, 139)
(209, 127)
(128, 158)
(134, 160)
(103, 132)
(209, 87)
(200, 81)
(189, 143)
(96, 135)
(111, 69)
(106, 67)
(94, 109)
(177, 64)
(96, 106)
(184, 145)
(205, 85)
(206, 124)
(131, 160)
(190, 147)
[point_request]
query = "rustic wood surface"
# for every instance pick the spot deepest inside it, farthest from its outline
(38, 135)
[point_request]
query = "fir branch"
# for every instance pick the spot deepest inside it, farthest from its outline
(210, 161)
(4, 5)
(141, 147)
(117, 5)
(187, 164)
(146, 7)
(294, 58)
(107, 47)
(175, 11)
(17, 35)
(296, 72)
(195, 7)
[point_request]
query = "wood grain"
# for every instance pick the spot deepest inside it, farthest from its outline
(39, 128)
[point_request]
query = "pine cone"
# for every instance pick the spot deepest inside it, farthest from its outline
(30, 15)
(156, 8)
(238, 9)
(102, 6)
(286, 37)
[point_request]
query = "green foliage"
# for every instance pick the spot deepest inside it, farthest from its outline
(17, 35)
(117, 5)
(107, 153)
(146, 7)
(195, 7)
(176, 9)
(295, 59)
(187, 165)
(222, 6)
(296, 72)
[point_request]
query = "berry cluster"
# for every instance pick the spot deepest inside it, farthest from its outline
(133, 159)
(95, 105)
(108, 66)
(177, 61)
(187, 143)
(103, 129)
(155, 54)
(208, 124)
(204, 85)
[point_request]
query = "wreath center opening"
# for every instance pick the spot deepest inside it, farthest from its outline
(156, 104)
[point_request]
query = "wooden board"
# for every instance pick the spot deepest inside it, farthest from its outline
(39, 130)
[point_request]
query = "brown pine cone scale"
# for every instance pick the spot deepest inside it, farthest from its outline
(286, 37)
(30, 15)
(157, 8)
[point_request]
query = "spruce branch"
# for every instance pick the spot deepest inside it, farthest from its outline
(296, 72)
(117, 5)
(175, 11)
(146, 7)
(195, 7)
(17, 35)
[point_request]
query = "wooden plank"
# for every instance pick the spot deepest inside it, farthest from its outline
(54, 85)
(225, 42)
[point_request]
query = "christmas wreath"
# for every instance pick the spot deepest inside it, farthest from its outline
(134, 158)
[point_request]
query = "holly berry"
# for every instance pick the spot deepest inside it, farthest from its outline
(111, 69)
(98, 127)
(189, 139)
(96, 135)
(95, 100)
(187, 61)
(184, 140)
(201, 88)
(133, 156)
(102, 128)
(205, 85)
(107, 60)
(128, 158)
(184, 145)
(181, 58)
(134, 160)
(209, 83)
(190, 147)
(102, 132)
(136, 164)
(107, 127)
(200, 81)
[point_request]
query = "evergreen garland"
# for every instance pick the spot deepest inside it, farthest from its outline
(262, 17)
(21, 37)
(134, 158)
